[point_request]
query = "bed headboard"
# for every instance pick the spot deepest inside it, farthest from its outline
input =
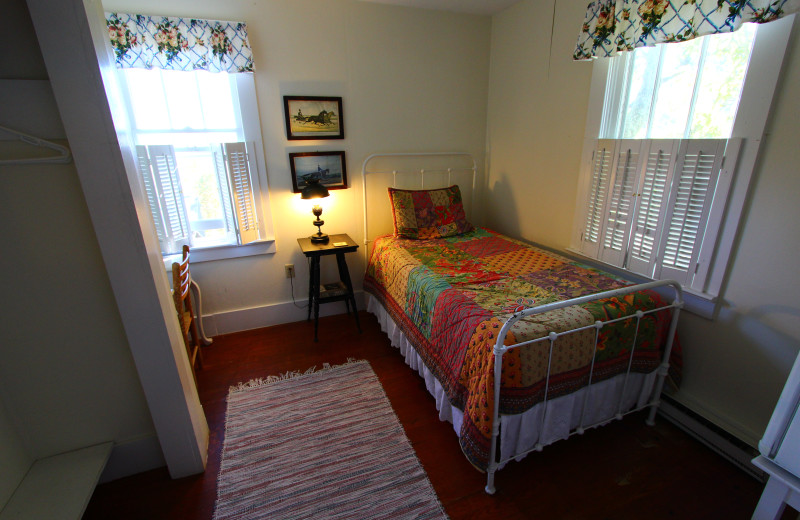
(411, 171)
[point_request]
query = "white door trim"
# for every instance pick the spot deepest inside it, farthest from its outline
(71, 36)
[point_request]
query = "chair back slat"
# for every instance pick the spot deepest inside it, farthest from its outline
(181, 281)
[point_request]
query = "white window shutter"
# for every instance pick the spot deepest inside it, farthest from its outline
(651, 203)
(599, 178)
(620, 202)
(695, 180)
(236, 159)
(168, 185)
(143, 163)
(702, 278)
(223, 186)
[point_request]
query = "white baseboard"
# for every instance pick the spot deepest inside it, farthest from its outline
(731, 448)
(268, 315)
(132, 457)
(144, 454)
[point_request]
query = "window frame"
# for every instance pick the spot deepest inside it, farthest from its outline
(247, 116)
(758, 90)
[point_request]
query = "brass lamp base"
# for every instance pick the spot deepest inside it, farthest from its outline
(320, 237)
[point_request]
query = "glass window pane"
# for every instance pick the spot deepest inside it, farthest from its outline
(722, 77)
(190, 110)
(675, 89)
(216, 100)
(640, 93)
(201, 196)
(183, 100)
(147, 99)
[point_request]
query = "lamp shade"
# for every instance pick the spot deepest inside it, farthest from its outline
(314, 190)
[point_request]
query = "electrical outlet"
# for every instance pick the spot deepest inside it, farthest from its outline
(289, 270)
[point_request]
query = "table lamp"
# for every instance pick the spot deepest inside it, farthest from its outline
(315, 190)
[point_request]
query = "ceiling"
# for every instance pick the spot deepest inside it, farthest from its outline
(485, 7)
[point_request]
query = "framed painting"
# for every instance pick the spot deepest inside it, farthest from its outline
(327, 167)
(313, 117)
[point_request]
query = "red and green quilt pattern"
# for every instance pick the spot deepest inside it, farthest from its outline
(450, 296)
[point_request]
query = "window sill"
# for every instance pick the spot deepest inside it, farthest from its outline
(210, 254)
(696, 302)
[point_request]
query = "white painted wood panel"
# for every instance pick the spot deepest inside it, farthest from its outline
(58, 487)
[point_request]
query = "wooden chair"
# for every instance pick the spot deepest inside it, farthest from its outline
(181, 279)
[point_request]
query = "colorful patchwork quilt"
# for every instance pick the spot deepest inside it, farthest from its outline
(450, 296)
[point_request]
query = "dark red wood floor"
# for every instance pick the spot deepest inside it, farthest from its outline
(623, 470)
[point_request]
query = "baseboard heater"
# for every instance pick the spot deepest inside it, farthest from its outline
(734, 450)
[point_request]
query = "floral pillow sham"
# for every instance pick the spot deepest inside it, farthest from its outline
(426, 214)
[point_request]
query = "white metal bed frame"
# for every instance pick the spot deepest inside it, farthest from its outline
(500, 349)
(421, 172)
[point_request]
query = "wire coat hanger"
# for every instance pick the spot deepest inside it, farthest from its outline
(62, 158)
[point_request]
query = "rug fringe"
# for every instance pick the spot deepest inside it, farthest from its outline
(263, 381)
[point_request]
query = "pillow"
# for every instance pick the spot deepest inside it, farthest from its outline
(424, 214)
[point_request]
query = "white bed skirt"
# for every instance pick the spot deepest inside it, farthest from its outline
(521, 432)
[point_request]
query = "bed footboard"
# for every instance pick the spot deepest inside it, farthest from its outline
(500, 349)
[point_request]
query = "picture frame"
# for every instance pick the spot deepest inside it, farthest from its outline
(313, 117)
(329, 167)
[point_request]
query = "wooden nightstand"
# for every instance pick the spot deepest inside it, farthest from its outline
(329, 292)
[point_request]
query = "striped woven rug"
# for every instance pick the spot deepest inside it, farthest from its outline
(322, 444)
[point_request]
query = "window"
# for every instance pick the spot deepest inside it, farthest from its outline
(198, 168)
(682, 90)
(671, 140)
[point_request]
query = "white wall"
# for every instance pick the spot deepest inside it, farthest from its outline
(67, 369)
(67, 379)
(736, 365)
(537, 112)
(410, 79)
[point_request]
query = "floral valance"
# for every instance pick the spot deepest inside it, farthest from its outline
(612, 26)
(162, 42)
